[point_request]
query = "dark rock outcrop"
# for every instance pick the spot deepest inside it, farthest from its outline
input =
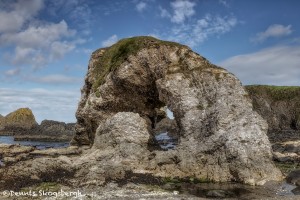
(278, 105)
(220, 137)
(49, 130)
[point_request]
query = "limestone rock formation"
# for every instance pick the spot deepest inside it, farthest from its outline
(279, 105)
(19, 119)
(220, 137)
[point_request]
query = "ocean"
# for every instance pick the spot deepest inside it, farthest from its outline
(37, 144)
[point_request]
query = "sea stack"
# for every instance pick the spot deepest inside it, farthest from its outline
(221, 138)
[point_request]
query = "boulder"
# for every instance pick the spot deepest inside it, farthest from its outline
(294, 177)
(221, 138)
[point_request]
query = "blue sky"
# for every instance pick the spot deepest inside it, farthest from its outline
(45, 45)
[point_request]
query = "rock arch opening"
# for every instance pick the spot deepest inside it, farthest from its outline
(166, 129)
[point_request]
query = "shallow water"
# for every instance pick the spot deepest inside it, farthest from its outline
(37, 144)
(165, 141)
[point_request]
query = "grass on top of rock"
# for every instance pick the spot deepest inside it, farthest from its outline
(115, 55)
(19, 115)
(276, 93)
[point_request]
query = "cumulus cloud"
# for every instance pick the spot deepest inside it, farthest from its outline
(275, 30)
(181, 10)
(30, 42)
(140, 6)
(195, 33)
(224, 3)
(12, 72)
(273, 66)
(38, 36)
(164, 13)
(55, 79)
(110, 41)
(78, 11)
(59, 105)
(39, 44)
(59, 49)
(18, 13)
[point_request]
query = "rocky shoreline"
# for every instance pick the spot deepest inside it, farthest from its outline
(19, 160)
(222, 148)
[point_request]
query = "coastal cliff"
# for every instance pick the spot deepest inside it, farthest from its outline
(279, 105)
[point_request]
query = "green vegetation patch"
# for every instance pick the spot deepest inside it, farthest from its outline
(115, 55)
(276, 93)
(20, 115)
(286, 168)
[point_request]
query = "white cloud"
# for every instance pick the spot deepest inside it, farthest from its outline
(141, 6)
(39, 44)
(110, 41)
(273, 66)
(38, 36)
(18, 13)
(224, 3)
(182, 9)
(195, 33)
(275, 30)
(55, 79)
(57, 105)
(78, 11)
(12, 72)
(59, 49)
(164, 13)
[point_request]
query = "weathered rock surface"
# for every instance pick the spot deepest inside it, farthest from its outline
(39, 170)
(18, 120)
(221, 137)
(280, 107)
(10, 154)
(287, 151)
(69, 151)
